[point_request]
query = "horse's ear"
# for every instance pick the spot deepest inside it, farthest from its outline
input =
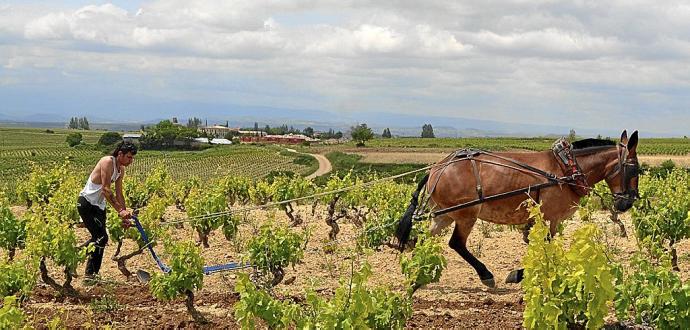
(632, 144)
(624, 137)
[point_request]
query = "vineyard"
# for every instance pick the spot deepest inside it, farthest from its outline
(329, 262)
(22, 149)
(321, 255)
(654, 146)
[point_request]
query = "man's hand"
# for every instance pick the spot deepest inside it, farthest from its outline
(124, 214)
(126, 223)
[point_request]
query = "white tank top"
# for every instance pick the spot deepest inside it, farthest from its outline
(93, 192)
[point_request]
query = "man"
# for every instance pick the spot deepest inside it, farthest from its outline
(98, 190)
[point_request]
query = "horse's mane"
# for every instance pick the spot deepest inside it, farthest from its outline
(588, 143)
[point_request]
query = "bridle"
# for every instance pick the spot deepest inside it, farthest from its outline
(630, 169)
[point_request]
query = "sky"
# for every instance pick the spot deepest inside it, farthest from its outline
(585, 64)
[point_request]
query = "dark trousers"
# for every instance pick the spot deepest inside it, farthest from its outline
(94, 221)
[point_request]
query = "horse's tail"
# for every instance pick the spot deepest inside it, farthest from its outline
(405, 224)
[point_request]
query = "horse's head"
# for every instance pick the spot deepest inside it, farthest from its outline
(624, 172)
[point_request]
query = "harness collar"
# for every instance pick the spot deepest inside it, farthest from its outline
(563, 151)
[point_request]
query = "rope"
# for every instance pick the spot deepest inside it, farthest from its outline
(325, 193)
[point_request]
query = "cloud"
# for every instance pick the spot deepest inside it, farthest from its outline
(542, 59)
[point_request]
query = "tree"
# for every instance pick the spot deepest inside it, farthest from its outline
(572, 136)
(73, 139)
(361, 134)
(109, 138)
(267, 129)
(386, 133)
(427, 131)
(230, 135)
(81, 123)
(78, 123)
(194, 122)
(308, 131)
(165, 134)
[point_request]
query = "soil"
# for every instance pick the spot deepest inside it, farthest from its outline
(457, 301)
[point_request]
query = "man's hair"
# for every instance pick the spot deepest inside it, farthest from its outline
(125, 147)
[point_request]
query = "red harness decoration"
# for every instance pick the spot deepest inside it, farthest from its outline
(562, 149)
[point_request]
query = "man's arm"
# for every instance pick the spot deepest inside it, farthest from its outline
(107, 173)
(118, 189)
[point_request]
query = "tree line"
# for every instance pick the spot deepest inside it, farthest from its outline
(78, 123)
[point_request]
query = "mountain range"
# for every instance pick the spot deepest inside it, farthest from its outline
(131, 117)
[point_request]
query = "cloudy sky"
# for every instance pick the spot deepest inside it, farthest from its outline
(589, 64)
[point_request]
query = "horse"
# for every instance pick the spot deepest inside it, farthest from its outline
(456, 190)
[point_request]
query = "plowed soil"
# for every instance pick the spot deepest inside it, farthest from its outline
(457, 301)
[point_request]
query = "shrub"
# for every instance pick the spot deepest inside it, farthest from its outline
(109, 138)
(73, 139)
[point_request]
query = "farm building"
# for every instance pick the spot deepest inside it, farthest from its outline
(213, 141)
(131, 137)
(218, 130)
(280, 139)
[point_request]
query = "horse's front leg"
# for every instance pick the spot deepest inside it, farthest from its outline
(458, 242)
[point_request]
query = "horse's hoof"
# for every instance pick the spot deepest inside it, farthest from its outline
(489, 282)
(514, 277)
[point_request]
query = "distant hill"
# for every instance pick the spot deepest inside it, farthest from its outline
(131, 117)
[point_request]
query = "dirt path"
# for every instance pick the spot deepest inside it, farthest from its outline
(324, 166)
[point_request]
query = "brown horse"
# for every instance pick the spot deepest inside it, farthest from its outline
(456, 182)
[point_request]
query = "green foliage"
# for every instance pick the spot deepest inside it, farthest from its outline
(427, 131)
(109, 138)
(662, 213)
(354, 306)
(653, 294)
(275, 247)
(73, 139)
(425, 265)
(387, 202)
(386, 133)
(12, 229)
(186, 272)
(255, 303)
(41, 184)
(564, 288)
(287, 188)
(157, 183)
(78, 123)
(236, 188)
(49, 235)
(11, 316)
(200, 205)
(261, 192)
(17, 277)
(181, 189)
(361, 134)
(166, 135)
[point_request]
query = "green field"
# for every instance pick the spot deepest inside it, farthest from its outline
(666, 146)
(23, 148)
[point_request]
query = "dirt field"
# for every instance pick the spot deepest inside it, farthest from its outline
(417, 157)
(459, 300)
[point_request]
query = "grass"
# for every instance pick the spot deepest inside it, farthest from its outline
(342, 163)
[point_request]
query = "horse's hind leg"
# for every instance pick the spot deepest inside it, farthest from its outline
(458, 242)
(516, 276)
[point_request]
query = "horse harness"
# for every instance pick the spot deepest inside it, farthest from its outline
(630, 168)
(562, 150)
